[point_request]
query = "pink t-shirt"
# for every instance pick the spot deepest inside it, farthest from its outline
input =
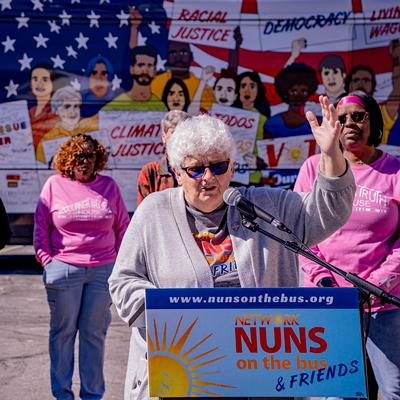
(79, 223)
(368, 244)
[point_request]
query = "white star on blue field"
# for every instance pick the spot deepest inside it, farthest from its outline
(66, 34)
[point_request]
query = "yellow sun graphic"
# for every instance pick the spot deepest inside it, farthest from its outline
(172, 371)
(295, 152)
(278, 319)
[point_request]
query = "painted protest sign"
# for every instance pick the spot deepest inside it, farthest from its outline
(280, 24)
(135, 137)
(289, 152)
(16, 143)
(205, 23)
(51, 146)
(243, 125)
(274, 342)
(383, 21)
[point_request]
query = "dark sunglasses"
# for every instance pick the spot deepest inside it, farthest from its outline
(356, 116)
(218, 168)
(91, 157)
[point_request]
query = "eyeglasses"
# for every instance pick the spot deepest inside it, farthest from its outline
(356, 116)
(81, 157)
(218, 168)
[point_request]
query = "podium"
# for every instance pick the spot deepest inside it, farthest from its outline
(238, 342)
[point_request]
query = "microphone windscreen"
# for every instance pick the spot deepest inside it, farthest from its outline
(231, 196)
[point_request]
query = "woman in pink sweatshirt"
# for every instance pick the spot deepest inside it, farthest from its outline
(79, 224)
(368, 244)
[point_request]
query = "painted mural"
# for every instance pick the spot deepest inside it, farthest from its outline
(115, 68)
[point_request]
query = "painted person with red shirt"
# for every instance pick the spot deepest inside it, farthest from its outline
(44, 82)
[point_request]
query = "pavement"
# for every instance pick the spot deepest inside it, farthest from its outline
(24, 330)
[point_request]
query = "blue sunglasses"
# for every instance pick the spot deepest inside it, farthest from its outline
(218, 168)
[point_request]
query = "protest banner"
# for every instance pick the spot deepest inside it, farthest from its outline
(135, 137)
(16, 143)
(280, 23)
(273, 342)
(289, 152)
(243, 125)
(383, 22)
(208, 23)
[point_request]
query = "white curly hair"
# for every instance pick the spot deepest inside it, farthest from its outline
(200, 136)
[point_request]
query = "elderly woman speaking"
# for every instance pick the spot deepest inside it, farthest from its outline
(167, 244)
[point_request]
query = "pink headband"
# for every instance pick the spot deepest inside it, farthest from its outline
(350, 99)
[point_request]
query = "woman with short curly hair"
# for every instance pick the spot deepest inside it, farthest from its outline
(79, 224)
(65, 158)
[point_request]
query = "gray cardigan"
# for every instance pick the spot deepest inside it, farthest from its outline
(159, 251)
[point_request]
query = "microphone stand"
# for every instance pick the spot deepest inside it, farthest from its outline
(366, 290)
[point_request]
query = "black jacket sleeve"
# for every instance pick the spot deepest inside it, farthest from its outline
(5, 231)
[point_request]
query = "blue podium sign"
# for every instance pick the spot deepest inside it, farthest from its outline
(273, 342)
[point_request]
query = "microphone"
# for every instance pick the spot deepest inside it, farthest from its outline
(232, 197)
